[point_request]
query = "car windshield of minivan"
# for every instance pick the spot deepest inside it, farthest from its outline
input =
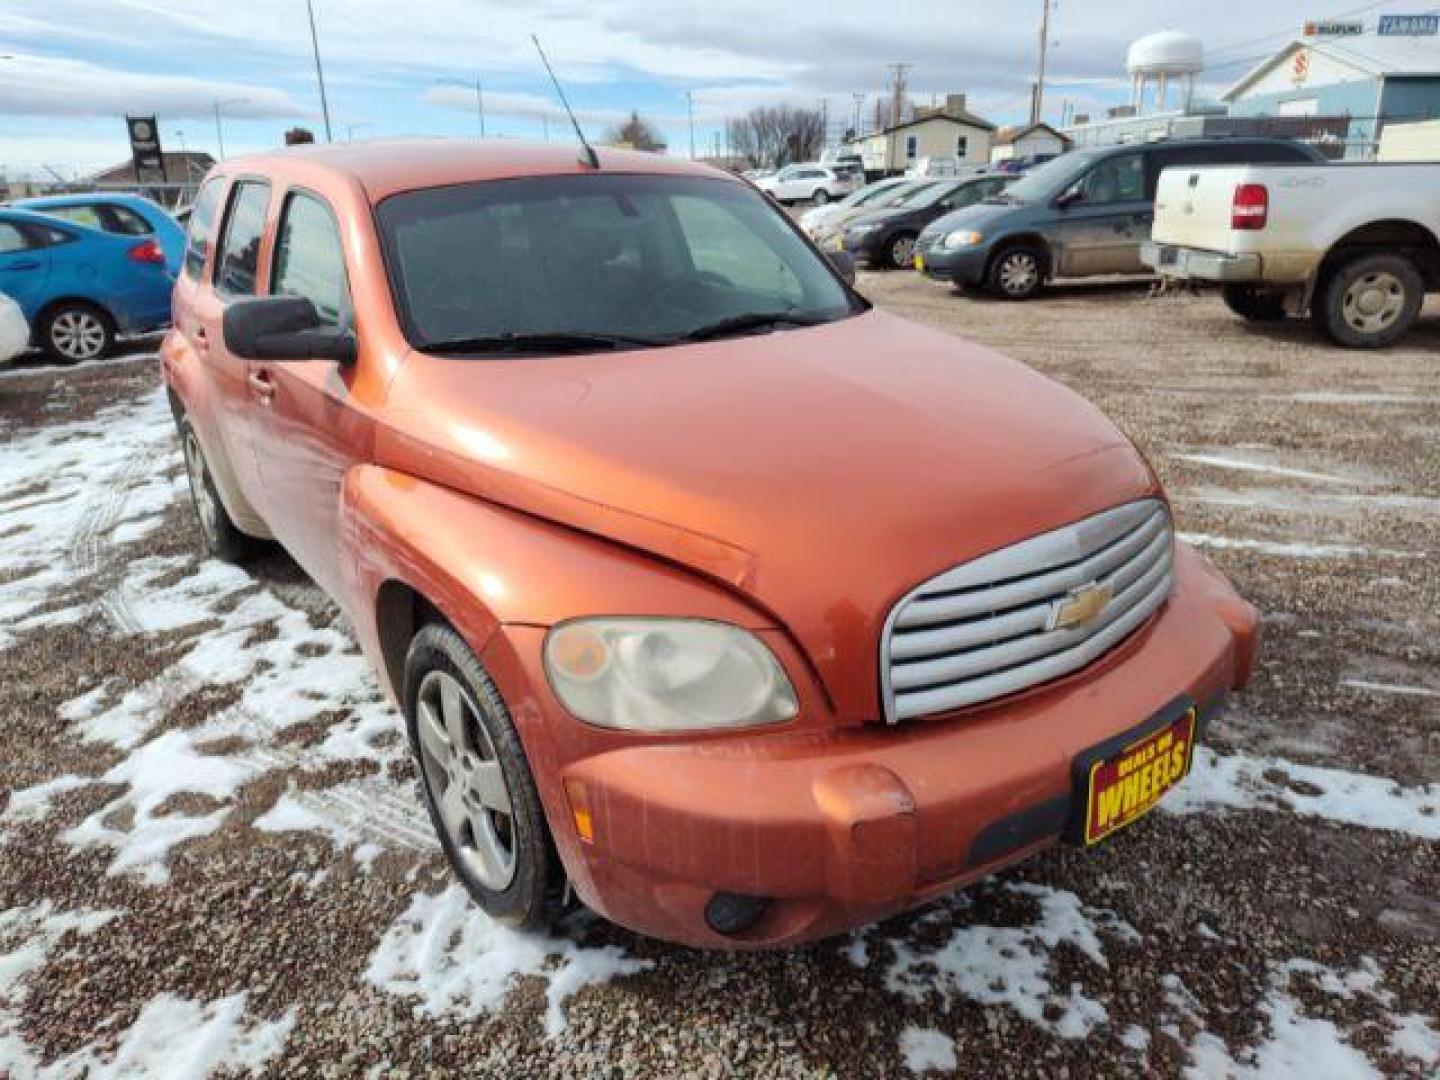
(596, 261)
(1046, 181)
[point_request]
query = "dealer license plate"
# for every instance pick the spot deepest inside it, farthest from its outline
(836, 243)
(1122, 786)
(920, 263)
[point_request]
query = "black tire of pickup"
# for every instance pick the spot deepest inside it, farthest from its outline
(1254, 304)
(1368, 301)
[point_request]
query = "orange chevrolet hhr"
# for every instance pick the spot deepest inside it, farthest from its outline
(746, 611)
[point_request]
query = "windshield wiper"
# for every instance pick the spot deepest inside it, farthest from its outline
(539, 341)
(749, 320)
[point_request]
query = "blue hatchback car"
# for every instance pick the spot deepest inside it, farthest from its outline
(79, 286)
(118, 213)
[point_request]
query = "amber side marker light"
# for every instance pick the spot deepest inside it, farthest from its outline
(580, 809)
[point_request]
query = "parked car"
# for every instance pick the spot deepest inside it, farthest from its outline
(885, 238)
(78, 286)
(14, 330)
(123, 215)
(814, 220)
(1355, 246)
(816, 184)
(735, 676)
(1024, 163)
(827, 232)
(1084, 214)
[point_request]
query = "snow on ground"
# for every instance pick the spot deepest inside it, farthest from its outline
(454, 959)
(926, 1048)
(1244, 781)
(1294, 550)
(1297, 1044)
(1011, 965)
(1227, 461)
(62, 489)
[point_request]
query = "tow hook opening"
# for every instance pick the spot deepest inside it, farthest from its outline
(734, 913)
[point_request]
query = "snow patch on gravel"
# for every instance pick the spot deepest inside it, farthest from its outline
(1225, 461)
(165, 767)
(1296, 1044)
(458, 961)
(1293, 550)
(64, 486)
(1243, 781)
(1010, 965)
(925, 1048)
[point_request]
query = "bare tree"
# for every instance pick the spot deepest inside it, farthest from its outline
(772, 136)
(636, 133)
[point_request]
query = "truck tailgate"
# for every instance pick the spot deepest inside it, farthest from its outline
(1192, 206)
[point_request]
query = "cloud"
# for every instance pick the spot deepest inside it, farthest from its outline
(32, 85)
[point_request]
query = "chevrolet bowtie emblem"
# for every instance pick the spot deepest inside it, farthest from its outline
(1080, 606)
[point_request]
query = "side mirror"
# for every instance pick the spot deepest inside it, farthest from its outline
(284, 328)
(844, 265)
(1075, 193)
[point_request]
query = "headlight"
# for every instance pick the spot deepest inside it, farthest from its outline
(960, 238)
(666, 675)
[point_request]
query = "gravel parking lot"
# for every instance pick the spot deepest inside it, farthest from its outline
(213, 854)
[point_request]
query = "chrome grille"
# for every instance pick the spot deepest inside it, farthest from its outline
(988, 627)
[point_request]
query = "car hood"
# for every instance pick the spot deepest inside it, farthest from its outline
(978, 216)
(821, 473)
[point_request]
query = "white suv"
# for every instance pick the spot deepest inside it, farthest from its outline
(811, 183)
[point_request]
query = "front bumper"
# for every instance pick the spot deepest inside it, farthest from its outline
(840, 827)
(1182, 262)
(964, 266)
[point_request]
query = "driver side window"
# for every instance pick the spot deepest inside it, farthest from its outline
(726, 248)
(1115, 180)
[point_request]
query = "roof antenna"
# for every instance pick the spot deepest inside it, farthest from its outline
(589, 157)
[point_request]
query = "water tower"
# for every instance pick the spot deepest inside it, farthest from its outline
(1158, 61)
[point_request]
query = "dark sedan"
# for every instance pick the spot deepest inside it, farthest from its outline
(885, 238)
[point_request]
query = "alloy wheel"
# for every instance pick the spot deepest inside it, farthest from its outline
(78, 334)
(465, 780)
(902, 252)
(202, 492)
(1373, 302)
(1018, 272)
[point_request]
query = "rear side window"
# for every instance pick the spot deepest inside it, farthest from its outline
(202, 224)
(126, 222)
(309, 260)
(238, 259)
(12, 239)
(86, 214)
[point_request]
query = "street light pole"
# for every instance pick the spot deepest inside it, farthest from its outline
(219, 128)
(319, 71)
(480, 105)
(690, 112)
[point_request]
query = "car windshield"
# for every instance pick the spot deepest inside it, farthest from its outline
(1049, 180)
(929, 195)
(874, 194)
(598, 260)
(915, 196)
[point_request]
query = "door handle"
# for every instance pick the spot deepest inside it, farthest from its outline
(262, 385)
(24, 264)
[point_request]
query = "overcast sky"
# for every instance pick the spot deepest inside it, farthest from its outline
(73, 68)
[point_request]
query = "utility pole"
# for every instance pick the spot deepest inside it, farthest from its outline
(897, 91)
(859, 100)
(1037, 103)
(690, 112)
(319, 71)
(219, 128)
(480, 105)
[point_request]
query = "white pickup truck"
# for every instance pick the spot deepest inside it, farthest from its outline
(1356, 246)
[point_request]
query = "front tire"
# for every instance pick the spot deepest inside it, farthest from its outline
(222, 538)
(820, 197)
(1369, 302)
(74, 331)
(477, 783)
(900, 252)
(1016, 273)
(1254, 305)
